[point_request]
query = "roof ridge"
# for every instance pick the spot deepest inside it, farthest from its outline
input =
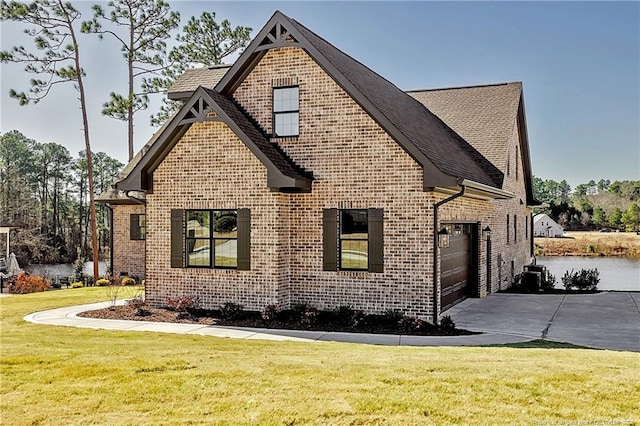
(476, 86)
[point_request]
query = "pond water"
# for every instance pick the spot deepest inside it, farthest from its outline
(63, 269)
(616, 273)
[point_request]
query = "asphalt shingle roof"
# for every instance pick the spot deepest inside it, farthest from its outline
(484, 116)
(440, 144)
(188, 82)
(249, 128)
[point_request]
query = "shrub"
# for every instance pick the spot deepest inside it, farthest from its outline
(548, 282)
(231, 311)
(182, 303)
(305, 313)
(447, 325)
(409, 324)
(77, 284)
(24, 284)
(137, 302)
(78, 269)
(585, 279)
(103, 282)
(128, 281)
(345, 315)
(271, 312)
(392, 317)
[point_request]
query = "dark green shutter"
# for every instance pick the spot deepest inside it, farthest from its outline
(330, 239)
(177, 238)
(376, 241)
(134, 227)
(244, 239)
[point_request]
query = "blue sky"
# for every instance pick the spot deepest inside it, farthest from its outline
(579, 63)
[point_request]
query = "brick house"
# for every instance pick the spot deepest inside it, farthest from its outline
(299, 174)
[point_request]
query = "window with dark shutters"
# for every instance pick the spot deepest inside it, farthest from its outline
(211, 239)
(353, 240)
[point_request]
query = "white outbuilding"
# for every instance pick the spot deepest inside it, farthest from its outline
(544, 226)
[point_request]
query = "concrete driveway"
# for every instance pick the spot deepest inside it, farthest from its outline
(607, 320)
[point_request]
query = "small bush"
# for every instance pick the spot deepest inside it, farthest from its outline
(102, 282)
(548, 282)
(345, 315)
(410, 325)
(305, 313)
(447, 325)
(78, 269)
(271, 312)
(137, 302)
(392, 317)
(24, 284)
(585, 279)
(128, 281)
(77, 284)
(182, 303)
(231, 311)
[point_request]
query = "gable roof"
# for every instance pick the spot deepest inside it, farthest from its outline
(282, 174)
(543, 216)
(446, 158)
(485, 116)
(191, 79)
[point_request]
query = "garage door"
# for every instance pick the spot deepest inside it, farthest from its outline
(455, 266)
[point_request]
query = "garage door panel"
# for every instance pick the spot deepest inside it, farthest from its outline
(455, 267)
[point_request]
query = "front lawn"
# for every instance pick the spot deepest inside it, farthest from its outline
(62, 375)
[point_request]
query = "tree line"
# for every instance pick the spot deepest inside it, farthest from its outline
(592, 205)
(141, 29)
(44, 197)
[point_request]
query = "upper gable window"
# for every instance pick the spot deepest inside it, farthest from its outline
(286, 111)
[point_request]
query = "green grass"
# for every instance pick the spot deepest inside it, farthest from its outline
(62, 375)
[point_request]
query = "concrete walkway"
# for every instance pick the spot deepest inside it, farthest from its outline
(68, 317)
(608, 320)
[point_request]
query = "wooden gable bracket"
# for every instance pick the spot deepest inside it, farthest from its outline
(278, 36)
(199, 112)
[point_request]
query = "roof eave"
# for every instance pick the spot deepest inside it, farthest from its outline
(180, 96)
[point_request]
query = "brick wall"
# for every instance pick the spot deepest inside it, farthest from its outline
(128, 254)
(355, 165)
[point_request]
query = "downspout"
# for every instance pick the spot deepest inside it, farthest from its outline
(110, 238)
(435, 249)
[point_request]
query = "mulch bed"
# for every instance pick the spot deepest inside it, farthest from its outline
(372, 324)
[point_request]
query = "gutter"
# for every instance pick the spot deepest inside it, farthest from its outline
(137, 200)
(435, 247)
(497, 193)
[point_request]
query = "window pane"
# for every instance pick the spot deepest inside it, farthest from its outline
(286, 99)
(286, 124)
(199, 253)
(226, 253)
(354, 254)
(225, 223)
(198, 224)
(354, 224)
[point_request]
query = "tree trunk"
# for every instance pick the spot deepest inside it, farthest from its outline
(130, 104)
(85, 129)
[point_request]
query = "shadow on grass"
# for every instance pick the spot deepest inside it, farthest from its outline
(540, 344)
